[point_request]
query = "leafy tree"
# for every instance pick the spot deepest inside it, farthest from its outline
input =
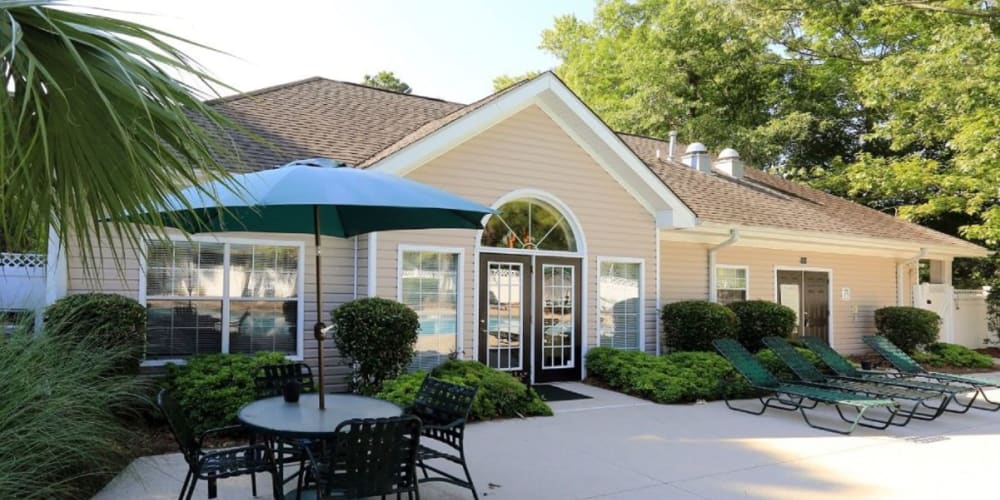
(503, 81)
(387, 80)
(94, 125)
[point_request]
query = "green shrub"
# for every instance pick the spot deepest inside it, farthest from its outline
(500, 394)
(213, 387)
(62, 434)
(378, 335)
(908, 327)
(774, 364)
(691, 325)
(953, 355)
(104, 320)
(759, 319)
(679, 377)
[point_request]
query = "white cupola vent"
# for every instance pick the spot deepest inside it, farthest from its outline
(696, 157)
(729, 163)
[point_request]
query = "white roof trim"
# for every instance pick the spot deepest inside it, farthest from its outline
(603, 145)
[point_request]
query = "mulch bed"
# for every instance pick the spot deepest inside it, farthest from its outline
(991, 351)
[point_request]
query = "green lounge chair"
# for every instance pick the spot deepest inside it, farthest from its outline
(792, 397)
(907, 366)
(845, 369)
(808, 374)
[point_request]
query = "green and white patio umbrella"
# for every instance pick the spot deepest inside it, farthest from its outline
(319, 197)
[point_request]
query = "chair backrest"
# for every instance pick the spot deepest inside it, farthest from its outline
(372, 457)
(899, 359)
(745, 363)
(440, 402)
(271, 379)
(183, 432)
(800, 366)
(831, 358)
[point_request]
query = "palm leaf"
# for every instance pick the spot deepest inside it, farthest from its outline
(95, 124)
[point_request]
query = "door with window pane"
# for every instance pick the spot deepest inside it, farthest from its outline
(808, 294)
(504, 303)
(557, 319)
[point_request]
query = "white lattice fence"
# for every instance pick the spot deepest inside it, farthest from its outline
(22, 281)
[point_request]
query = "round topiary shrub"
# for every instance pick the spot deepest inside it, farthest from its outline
(908, 327)
(692, 325)
(761, 318)
(378, 335)
(102, 320)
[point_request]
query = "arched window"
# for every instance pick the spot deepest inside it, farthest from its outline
(529, 224)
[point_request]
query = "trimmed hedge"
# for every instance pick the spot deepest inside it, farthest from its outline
(761, 318)
(774, 364)
(379, 335)
(692, 325)
(908, 327)
(213, 387)
(104, 321)
(680, 377)
(952, 355)
(500, 394)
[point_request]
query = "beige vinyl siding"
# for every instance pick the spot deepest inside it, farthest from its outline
(530, 151)
(337, 276)
(872, 282)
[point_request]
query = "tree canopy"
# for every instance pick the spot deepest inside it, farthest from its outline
(386, 80)
(894, 104)
(94, 125)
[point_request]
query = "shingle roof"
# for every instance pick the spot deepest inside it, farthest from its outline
(361, 125)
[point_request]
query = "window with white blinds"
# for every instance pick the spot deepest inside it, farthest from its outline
(428, 283)
(731, 284)
(619, 292)
(210, 297)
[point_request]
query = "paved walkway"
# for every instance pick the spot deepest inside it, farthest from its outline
(617, 447)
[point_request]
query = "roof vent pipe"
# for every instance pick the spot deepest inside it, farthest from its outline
(672, 151)
(696, 157)
(729, 163)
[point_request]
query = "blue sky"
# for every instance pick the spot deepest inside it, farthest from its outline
(450, 49)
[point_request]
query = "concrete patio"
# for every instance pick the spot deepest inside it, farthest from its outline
(617, 447)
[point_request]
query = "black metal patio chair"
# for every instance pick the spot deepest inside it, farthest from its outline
(212, 465)
(443, 409)
(365, 458)
(271, 379)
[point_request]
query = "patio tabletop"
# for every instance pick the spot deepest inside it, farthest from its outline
(305, 419)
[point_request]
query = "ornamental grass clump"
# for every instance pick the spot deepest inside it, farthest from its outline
(106, 320)
(63, 416)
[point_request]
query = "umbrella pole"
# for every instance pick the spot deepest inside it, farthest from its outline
(318, 328)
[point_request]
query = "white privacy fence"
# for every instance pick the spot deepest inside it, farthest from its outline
(963, 312)
(22, 283)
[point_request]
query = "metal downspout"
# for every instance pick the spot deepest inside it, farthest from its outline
(734, 236)
(900, 268)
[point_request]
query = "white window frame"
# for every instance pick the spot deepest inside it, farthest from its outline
(642, 296)
(227, 241)
(715, 281)
(459, 286)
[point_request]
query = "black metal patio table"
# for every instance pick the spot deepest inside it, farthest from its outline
(303, 419)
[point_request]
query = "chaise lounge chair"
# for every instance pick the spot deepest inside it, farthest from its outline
(791, 397)
(908, 367)
(845, 369)
(808, 374)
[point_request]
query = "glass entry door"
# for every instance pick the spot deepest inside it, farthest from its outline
(557, 319)
(504, 311)
(808, 294)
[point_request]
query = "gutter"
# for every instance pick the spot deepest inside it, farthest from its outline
(900, 268)
(734, 236)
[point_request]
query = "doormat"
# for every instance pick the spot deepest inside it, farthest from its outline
(552, 393)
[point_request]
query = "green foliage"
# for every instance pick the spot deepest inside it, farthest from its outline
(774, 364)
(500, 394)
(62, 434)
(213, 387)
(104, 320)
(379, 335)
(761, 318)
(97, 122)
(679, 377)
(952, 355)
(993, 310)
(503, 81)
(386, 80)
(908, 327)
(691, 325)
